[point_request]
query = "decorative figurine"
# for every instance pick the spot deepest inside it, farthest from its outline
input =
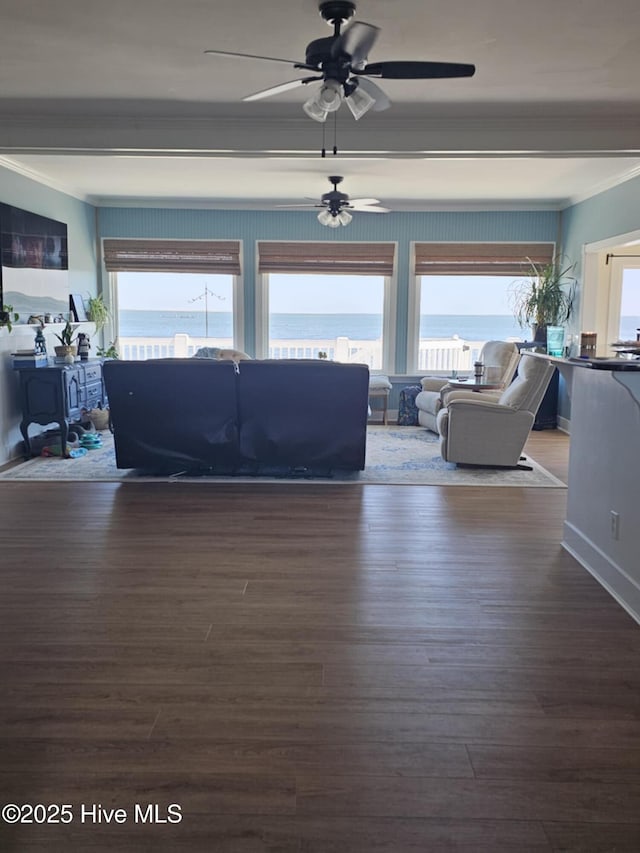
(40, 343)
(83, 346)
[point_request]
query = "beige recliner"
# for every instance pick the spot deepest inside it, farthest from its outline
(487, 432)
(500, 359)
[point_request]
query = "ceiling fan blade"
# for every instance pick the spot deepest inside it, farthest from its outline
(417, 70)
(276, 90)
(358, 202)
(356, 42)
(382, 102)
(254, 56)
(366, 208)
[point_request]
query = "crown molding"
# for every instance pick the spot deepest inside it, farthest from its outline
(38, 177)
(603, 186)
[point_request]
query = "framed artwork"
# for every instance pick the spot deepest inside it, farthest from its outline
(34, 262)
(78, 308)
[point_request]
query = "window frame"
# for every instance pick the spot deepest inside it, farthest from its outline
(111, 329)
(618, 265)
(465, 251)
(388, 319)
(389, 307)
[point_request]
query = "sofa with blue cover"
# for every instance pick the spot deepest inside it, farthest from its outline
(257, 417)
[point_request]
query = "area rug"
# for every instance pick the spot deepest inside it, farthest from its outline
(395, 456)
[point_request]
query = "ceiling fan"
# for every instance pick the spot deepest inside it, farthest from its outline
(335, 206)
(340, 62)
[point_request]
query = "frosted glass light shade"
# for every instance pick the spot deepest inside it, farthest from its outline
(314, 110)
(326, 100)
(359, 102)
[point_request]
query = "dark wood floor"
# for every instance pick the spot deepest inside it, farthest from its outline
(317, 668)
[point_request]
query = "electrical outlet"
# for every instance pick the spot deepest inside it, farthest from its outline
(615, 524)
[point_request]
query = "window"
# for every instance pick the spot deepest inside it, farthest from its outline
(624, 302)
(173, 314)
(170, 298)
(311, 301)
(337, 314)
(462, 311)
(630, 305)
(462, 299)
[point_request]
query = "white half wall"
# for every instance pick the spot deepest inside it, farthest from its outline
(602, 528)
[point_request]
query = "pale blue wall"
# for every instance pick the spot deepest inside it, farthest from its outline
(79, 217)
(608, 214)
(611, 213)
(402, 228)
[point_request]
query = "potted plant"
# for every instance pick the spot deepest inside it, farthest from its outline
(544, 297)
(7, 317)
(108, 353)
(66, 338)
(97, 311)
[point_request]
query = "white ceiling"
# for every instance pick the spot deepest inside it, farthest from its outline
(117, 103)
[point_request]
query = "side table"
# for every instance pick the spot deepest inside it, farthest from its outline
(379, 387)
(472, 384)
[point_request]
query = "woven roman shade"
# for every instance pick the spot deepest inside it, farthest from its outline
(480, 258)
(202, 256)
(340, 258)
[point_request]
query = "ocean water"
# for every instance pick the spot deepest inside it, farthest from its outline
(629, 328)
(162, 324)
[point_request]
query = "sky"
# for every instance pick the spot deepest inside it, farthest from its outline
(174, 292)
(338, 294)
(300, 294)
(630, 306)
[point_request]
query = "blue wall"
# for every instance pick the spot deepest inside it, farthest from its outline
(612, 213)
(20, 191)
(400, 228)
(609, 214)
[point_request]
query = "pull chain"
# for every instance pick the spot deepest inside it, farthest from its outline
(323, 152)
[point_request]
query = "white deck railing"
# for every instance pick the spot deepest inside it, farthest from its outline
(434, 354)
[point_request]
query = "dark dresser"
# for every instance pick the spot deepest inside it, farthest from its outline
(57, 394)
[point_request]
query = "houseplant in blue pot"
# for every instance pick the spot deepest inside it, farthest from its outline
(544, 297)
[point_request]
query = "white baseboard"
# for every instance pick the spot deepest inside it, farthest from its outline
(564, 425)
(614, 579)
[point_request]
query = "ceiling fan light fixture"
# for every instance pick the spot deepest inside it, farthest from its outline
(314, 110)
(330, 95)
(326, 100)
(334, 218)
(359, 102)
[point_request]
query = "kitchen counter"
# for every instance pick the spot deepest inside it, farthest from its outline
(602, 526)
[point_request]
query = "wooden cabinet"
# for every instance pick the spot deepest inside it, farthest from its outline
(57, 394)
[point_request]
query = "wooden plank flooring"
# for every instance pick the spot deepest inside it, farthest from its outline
(314, 669)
